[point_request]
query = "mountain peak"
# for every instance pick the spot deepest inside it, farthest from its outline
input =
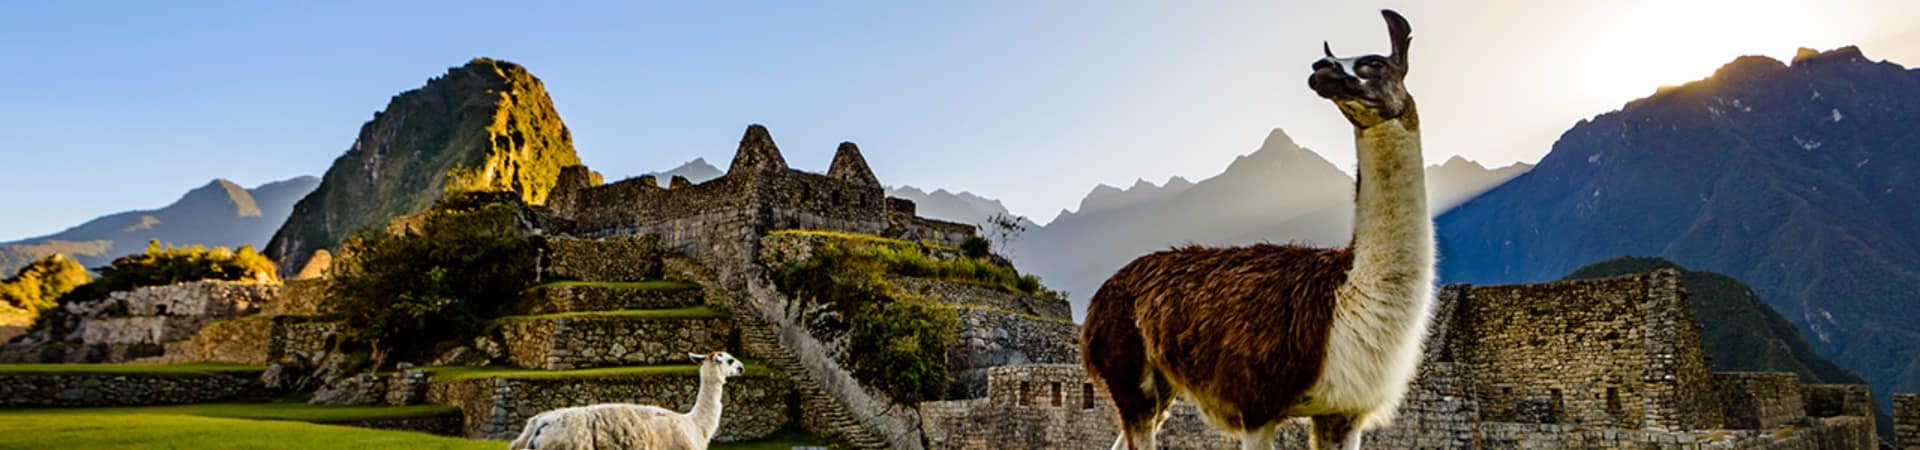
(1278, 139)
(223, 194)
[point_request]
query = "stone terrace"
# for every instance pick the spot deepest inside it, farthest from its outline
(1591, 364)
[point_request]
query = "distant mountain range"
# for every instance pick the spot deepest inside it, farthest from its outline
(1798, 179)
(220, 213)
(1278, 193)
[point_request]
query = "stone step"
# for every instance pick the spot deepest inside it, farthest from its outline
(497, 401)
(579, 340)
(580, 296)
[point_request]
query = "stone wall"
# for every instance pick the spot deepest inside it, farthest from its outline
(957, 294)
(1759, 400)
(559, 298)
(1619, 352)
(1837, 400)
(620, 258)
(246, 340)
(24, 390)
(299, 298)
(577, 342)
(991, 338)
(158, 314)
(1906, 421)
(756, 405)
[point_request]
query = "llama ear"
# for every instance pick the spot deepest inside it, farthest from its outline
(697, 357)
(1402, 35)
(1328, 48)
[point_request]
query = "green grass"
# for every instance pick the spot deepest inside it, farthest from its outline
(254, 426)
(461, 373)
(696, 312)
(294, 411)
(784, 440)
(91, 430)
(652, 285)
(167, 370)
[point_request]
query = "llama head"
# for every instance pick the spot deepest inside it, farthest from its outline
(1368, 89)
(718, 365)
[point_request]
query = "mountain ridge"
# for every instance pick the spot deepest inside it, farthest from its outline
(1794, 177)
(218, 213)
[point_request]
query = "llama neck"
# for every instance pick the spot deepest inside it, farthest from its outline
(706, 406)
(1392, 230)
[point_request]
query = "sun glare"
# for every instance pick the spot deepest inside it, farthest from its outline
(1634, 47)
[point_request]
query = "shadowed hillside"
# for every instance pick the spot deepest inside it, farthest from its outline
(219, 214)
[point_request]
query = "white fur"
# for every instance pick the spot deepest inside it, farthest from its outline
(1380, 320)
(629, 426)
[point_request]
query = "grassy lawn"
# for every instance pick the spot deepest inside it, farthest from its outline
(459, 373)
(697, 312)
(654, 285)
(178, 370)
(226, 426)
(295, 411)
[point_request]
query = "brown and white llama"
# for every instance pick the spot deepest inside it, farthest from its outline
(1255, 336)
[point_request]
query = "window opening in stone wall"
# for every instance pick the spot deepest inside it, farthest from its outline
(1086, 396)
(1559, 402)
(1613, 400)
(1024, 393)
(1057, 400)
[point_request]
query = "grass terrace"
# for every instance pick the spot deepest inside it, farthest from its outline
(697, 312)
(653, 285)
(462, 373)
(173, 370)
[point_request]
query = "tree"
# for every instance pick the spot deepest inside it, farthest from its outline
(1004, 228)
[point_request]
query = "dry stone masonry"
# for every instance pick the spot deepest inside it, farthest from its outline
(1589, 364)
(1906, 421)
(496, 408)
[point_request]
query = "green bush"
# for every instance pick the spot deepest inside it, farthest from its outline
(40, 284)
(163, 265)
(441, 279)
(976, 247)
(901, 340)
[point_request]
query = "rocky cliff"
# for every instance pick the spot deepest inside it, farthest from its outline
(486, 125)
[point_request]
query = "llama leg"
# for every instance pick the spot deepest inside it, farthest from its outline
(1261, 439)
(1336, 432)
(1142, 408)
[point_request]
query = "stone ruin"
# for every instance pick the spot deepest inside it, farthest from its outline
(1606, 363)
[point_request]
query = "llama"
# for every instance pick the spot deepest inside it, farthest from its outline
(1255, 336)
(629, 426)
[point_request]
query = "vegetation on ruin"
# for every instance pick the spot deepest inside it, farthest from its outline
(698, 312)
(39, 286)
(923, 260)
(840, 288)
(440, 279)
(654, 285)
(162, 265)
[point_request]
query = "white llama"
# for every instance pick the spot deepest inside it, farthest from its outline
(629, 426)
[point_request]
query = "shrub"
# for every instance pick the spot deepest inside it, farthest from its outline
(439, 279)
(163, 265)
(40, 284)
(901, 340)
(976, 247)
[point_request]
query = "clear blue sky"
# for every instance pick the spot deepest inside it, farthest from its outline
(107, 107)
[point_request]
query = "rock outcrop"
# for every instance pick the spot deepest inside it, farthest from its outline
(486, 125)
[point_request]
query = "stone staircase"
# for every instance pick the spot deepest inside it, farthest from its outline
(612, 333)
(823, 413)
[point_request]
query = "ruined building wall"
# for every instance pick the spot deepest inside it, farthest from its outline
(1906, 421)
(1759, 400)
(1618, 352)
